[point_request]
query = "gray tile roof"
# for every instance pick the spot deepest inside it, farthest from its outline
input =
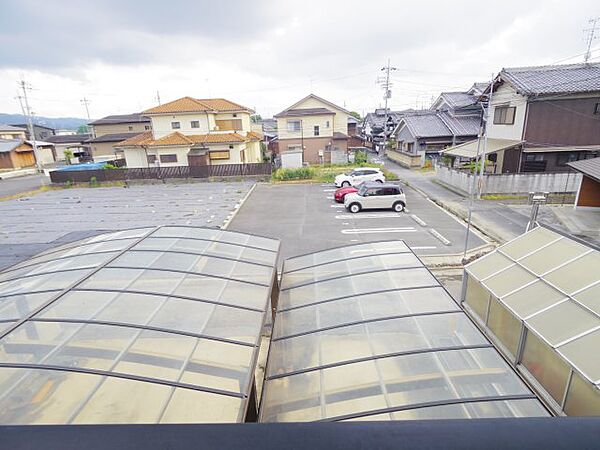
(68, 138)
(427, 124)
(570, 78)
(114, 137)
(304, 112)
(121, 118)
(458, 99)
(7, 145)
(376, 119)
(467, 125)
(11, 128)
(589, 167)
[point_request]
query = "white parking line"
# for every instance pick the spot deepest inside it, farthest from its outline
(329, 190)
(379, 230)
(329, 197)
(424, 247)
(440, 237)
(337, 206)
(418, 220)
(369, 216)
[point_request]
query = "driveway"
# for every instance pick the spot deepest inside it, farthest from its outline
(17, 185)
(306, 219)
(30, 225)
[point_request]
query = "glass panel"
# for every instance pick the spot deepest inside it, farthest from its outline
(5, 325)
(477, 297)
(338, 254)
(546, 366)
(170, 313)
(389, 382)
(477, 410)
(562, 322)
(529, 242)
(373, 418)
(208, 248)
(356, 285)
(375, 338)
(19, 306)
(46, 282)
(348, 267)
(363, 307)
(218, 235)
(505, 326)
(590, 298)
(488, 265)
(79, 250)
(583, 399)
(205, 265)
(583, 353)
(552, 256)
(188, 406)
(532, 298)
(508, 280)
(76, 262)
(187, 285)
(577, 274)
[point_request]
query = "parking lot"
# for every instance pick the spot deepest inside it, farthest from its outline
(306, 219)
(32, 224)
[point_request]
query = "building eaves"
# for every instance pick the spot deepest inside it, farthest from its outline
(588, 167)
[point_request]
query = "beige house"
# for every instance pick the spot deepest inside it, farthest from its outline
(191, 131)
(111, 130)
(315, 127)
(10, 132)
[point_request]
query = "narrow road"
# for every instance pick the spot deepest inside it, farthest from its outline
(14, 186)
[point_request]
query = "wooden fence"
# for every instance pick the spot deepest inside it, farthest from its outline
(161, 173)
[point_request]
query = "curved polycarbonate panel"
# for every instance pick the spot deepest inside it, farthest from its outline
(356, 285)
(362, 308)
(97, 332)
(53, 397)
(345, 253)
(210, 248)
(163, 282)
(205, 265)
(213, 234)
(393, 382)
(372, 339)
(350, 267)
(75, 262)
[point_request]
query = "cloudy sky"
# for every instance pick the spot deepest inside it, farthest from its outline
(266, 54)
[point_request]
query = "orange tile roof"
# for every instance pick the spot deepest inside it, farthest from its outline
(146, 139)
(254, 136)
(139, 139)
(216, 138)
(189, 104)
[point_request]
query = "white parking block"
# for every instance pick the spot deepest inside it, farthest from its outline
(441, 238)
(369, 216)
(379, 230)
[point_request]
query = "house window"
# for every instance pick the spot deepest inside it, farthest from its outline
(294, 148)
(130, 128)
(234, 115)
(293, 125)
(410, 147)
(504, 115)
(231, 146)
(195, 124)
(146, 127)
(223, 154)
(563, 158)
(170, 158)
(597, 108)
(175, 125)
(151, 159)
(316, 130)
(327, 124)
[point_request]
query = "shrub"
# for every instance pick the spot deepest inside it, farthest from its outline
(109, 166)
(360, 157)
(93, 181)
(301, 173)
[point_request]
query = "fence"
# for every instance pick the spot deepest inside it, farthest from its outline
(512, 183)
(161, 173)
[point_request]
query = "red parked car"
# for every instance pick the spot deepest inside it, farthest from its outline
(342, 192)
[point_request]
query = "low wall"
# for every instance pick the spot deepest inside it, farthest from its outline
(404, 159)
(512, 183)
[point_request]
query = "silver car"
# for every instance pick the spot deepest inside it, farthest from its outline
(376, 196)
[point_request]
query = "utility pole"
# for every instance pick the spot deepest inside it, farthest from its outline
(485, 142)
(387, 93)
(28, 114)
(591, 35)
(158, 96)
(84, 101)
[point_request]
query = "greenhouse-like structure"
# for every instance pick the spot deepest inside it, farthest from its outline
(150, 325)
(538, 296)
(366, 332)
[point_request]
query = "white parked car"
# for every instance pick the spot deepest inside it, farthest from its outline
(360, 175)
(376, 196)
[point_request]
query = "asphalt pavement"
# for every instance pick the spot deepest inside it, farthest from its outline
(18, 185)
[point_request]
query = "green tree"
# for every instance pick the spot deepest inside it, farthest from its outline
(83, 129)
(355, 115)
(255, 118)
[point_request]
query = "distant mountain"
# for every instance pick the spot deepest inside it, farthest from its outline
(58, 123)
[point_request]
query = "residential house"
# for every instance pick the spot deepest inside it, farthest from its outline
(112, 130)
(355, 139)
(315, 129)
(19, 153)
(41, 132)
(588, 194)
(542, 118)
(191, 131)
(373, 126)
(75, 143)
(11, 132)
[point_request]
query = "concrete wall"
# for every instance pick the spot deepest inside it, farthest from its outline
(514, 183)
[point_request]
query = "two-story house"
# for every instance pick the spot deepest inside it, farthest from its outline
(191, 131)
(541, 118)
(11, 132)
(111, 130)
(314, 128)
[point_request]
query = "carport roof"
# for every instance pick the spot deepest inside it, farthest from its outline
(366, 332)
(589, 167)
(469, 149)
(148, 325)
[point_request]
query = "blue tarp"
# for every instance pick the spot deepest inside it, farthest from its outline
(87, 166)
